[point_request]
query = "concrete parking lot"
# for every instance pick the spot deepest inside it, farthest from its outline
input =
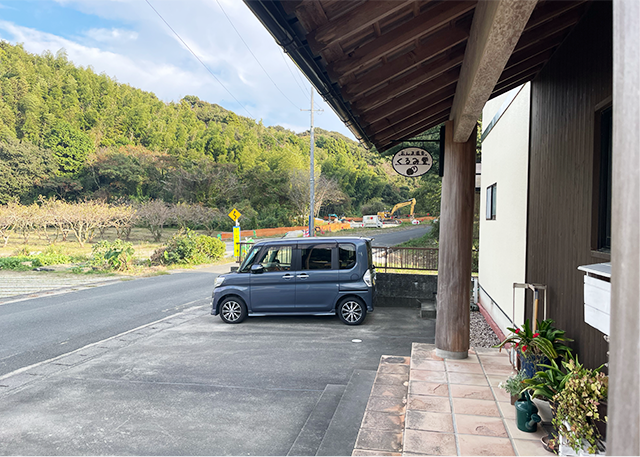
(191, 385)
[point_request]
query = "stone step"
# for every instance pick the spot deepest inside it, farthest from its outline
(428, 310)
(314, 429)
(342, 432)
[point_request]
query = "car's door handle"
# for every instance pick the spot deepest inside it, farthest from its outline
(288, 276)
(303, 276)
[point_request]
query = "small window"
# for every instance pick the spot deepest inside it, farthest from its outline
(317, 257)
(347, 256)
(276, 258)
(601, 215)
(492, 192)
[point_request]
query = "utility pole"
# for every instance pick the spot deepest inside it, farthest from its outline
(311, 172)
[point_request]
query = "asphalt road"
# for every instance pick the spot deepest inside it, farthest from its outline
(395, 238)
(39, 329)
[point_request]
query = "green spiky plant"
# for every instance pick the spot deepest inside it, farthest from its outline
(547, 340)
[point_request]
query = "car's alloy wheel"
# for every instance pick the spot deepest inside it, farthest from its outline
(233, 311)
(352, 311)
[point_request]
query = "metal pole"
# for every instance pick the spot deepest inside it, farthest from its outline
(311, 177)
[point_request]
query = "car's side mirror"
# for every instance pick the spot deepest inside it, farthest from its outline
(257, 269)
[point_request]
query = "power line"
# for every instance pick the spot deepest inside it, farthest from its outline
(199, 60)
(254, 56)
(284, 59)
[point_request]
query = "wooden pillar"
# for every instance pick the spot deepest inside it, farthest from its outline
(456, 232)
(623, 434)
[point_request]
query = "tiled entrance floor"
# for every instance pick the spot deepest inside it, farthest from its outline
(424, 405)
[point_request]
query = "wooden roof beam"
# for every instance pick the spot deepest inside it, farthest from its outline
(440, 65)
(418, 93)
(418, 118)
(419, 26)
(412, 109)
(495, 31)
(525, 65)
(549, 28)
(516, 80)
(439, 42)
(357, 20)
(416, 129)
(549, 10)
(432, 122)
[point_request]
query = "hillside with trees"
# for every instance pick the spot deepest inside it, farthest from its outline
(70, 134)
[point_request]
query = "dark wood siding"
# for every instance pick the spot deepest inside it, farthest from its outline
(564, 100)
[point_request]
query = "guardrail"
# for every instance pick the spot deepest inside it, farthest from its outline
(396, 258)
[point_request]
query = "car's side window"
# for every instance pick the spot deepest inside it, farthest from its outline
(347, 256)
(276, 258)
(316, 257)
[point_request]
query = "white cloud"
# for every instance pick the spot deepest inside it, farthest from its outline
(136, 47)
(110, 35)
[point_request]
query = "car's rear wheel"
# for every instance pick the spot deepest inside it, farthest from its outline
(352, 311)
(233, 310)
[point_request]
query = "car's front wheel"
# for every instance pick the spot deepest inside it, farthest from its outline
(352, 311)
(233, 310)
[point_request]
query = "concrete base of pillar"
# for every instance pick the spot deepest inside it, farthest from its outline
(451, 355)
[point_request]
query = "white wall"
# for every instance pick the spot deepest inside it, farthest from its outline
(502, 257)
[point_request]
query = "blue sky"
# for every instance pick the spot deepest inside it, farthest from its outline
(126, 40)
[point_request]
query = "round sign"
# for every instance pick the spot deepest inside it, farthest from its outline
(412, 162)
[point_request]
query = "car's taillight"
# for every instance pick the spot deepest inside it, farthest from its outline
(367, 279)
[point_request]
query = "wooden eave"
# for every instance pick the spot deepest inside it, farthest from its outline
(390, 68)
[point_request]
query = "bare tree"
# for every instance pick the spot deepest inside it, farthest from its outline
(154, 215)
(326, 190)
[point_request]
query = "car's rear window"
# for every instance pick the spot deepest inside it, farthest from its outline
(347, 256)
(316, 257)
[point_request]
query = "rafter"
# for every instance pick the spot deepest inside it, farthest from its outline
(438, 66)
(550, 10)
(399, 37)
(415, 129)
(414, 120)
(506, 85)
(549, 28)
(411, 110)
(358, 19)
(430, 123)
(440, 41)
(525, 65)
(418, 93)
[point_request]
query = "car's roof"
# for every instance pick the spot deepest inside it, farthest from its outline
(318, 240)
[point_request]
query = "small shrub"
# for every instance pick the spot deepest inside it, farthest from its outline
(181, 248)
(116, 255)
(157, 258)
(14, 263)
(211, 247)
(187, 247)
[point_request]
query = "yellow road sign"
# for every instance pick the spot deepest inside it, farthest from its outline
(235, 214)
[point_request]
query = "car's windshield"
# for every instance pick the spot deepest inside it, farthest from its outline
(248, 261)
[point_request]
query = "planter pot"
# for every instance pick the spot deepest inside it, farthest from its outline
(514, 399)
(530, 363)
(565, 449)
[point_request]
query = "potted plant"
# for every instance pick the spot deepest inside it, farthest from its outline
(578, 410)
(547, 382)
(514, 385)
(545, 344)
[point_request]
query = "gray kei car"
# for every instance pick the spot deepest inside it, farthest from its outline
(308, 276)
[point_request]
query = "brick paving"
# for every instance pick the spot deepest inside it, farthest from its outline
(424, 405)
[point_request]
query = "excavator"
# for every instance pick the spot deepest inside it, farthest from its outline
(387, 216)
